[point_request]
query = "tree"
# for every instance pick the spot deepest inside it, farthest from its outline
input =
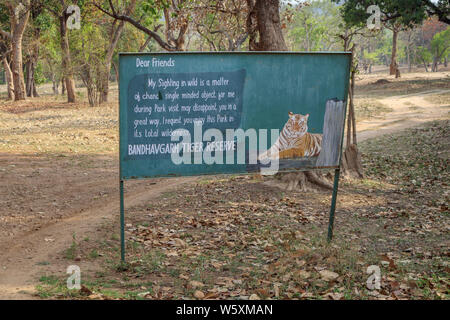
(409, 36)
(115, 31)
(440, 8)
(424, 56)
(352, 27)
(176, 20)
(393, 66)
(93, 49)
(313, 26)
(368, 50)
(440, 47)
(9, 78)
(220, 25)
(5, 50)
(59, 10)
(88, 55)
(39, 21)
(50, 54)
(4, 54)
(264, 27)
(19, 13)
(370, 58)
(424, 38)
(397, 15)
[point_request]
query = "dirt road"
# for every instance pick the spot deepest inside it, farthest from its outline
(407, 111)
(40, 251)
(79, 201)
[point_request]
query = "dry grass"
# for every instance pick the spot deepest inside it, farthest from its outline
(49, 125)
(369, 108)
(440, 99)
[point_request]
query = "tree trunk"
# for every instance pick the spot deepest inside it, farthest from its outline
(28, 77)
(269, 26)
(30, 67)
(408, 56)
(66, 60)
(425, 65)
(17, 69)
(115, 35)
(63, 86)
(394, 66)
(434, 68)
(88, 81)
(9, 79)
(104, 81)
(55, 84)
(35, 94)
(351, 158)
(18, 24)
(33, 57)
(264, 19)
(116, 71)
(307, 36)
(352, 103)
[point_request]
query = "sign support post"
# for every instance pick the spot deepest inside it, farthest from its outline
(333, 204)
(122, 225)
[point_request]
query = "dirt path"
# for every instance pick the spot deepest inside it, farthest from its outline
(26, 255)
(408, 111)
(21, 261)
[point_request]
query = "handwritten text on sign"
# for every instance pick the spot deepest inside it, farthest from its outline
(160, 103)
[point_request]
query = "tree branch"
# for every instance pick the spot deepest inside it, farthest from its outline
(5, 34)
(139, 26)
(434, 9)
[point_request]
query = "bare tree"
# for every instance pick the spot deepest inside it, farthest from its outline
(176, 24)
(19, 11)
(32, 51)
(4, 53)
(222, 25)
(115, 32)
(59, 9)
(393, 67)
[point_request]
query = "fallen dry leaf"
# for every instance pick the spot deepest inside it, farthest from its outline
(334, 296)
(303, 274)
(254, 296)
(196, 284)
(328, 275)
(198, 294)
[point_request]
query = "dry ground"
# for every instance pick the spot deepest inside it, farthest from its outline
(59, 198)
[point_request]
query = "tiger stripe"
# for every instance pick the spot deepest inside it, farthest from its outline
(294, 140)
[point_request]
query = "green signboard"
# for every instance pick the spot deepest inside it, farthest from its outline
(165, 94)
(211, 113)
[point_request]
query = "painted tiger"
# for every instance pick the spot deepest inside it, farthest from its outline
(294, 140)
